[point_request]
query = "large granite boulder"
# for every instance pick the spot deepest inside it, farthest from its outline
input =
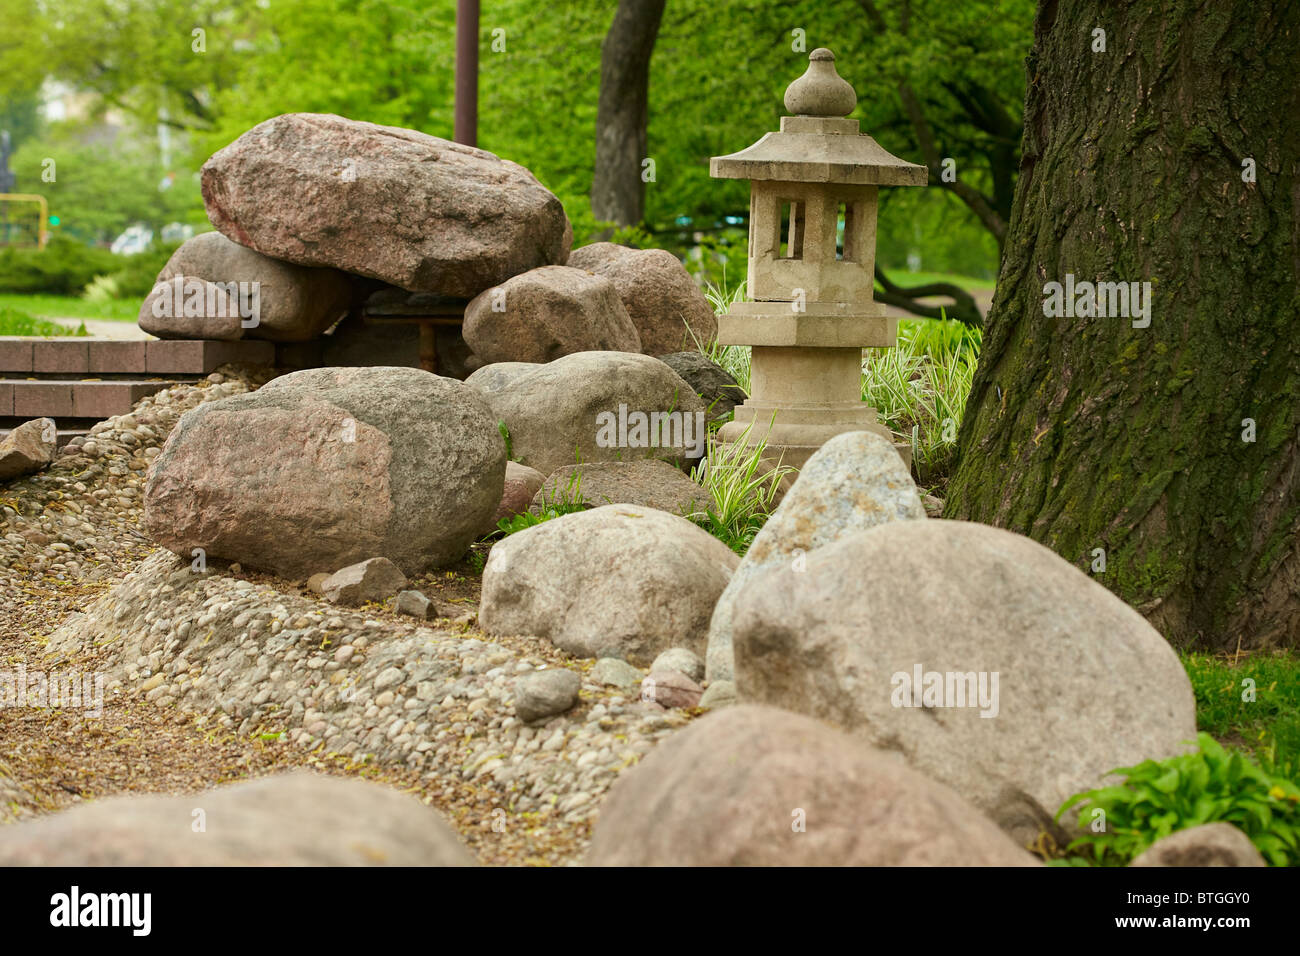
(295, 819)
(988, 662)
(853, 482)
(545, 313)
(756, 786)
(667, 307)
(327, 467)
(616, 581)
(291, 303)
(598, 406)
(415, 211)
(500, 375)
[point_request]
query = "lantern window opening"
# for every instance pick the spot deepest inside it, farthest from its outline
(792, 228)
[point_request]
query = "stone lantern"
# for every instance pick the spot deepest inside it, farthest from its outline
(811, 308)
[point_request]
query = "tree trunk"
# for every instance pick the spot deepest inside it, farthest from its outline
(617, 189)
(1089, 433)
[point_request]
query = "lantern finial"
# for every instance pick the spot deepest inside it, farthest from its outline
(820, 91)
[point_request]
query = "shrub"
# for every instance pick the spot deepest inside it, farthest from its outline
(565, 501)
(1160, 797)
(63, 267)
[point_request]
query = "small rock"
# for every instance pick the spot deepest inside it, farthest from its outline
(721, 693)
(615, 673)
(28, 448)
(682, 660)
(414, 604)
(671, 689)
(371, 580)
(546, 693)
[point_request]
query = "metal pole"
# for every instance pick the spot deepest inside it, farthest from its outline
(467, 15)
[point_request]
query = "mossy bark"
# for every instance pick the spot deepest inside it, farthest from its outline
(1088, 433)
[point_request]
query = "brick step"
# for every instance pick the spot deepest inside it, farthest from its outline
(25, 399)
(20, 357)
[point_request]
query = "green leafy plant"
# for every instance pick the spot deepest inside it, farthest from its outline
(743, 487)
(1159, 797)
(561, 501)
(505, 436)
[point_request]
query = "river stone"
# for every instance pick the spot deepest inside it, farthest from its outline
(28, 448)
(756, 786)
(853, 482)
(326, 467)
(648, 482)
(1210, 844)
(617, 581)
(415, 211)
(717, 387)
(545, 313)
(670, 688)
(680, 659)
(546, 693)
(667, 307)
(295, 304)
(613, 672)
(294, 819)
(567, 411)
(842, 640)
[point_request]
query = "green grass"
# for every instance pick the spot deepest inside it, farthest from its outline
(905, 279)
(14, 322)
(1268, 726)
(743, 489)
(71, 307)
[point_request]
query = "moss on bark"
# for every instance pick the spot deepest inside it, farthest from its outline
(1087, 433)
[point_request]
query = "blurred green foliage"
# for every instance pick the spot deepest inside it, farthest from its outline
(717, 79)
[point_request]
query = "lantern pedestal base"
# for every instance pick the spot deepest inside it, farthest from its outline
(794, 432)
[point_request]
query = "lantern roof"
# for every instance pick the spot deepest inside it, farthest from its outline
(819, 144)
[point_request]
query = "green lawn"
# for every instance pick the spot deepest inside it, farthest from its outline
(69, 307)
(14, 322)
(1269, 725)
(905, 279)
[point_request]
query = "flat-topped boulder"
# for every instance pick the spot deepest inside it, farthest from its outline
(418, 212)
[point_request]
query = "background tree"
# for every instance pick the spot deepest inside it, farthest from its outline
(618, 183)
(1172, 448)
